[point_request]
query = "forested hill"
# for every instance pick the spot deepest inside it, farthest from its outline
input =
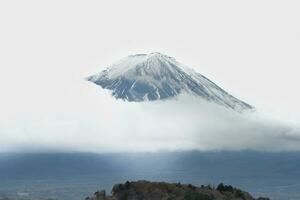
(145, 190)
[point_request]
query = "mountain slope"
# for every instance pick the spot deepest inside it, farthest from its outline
(154, 76)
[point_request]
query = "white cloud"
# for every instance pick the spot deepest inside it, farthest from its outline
(251, 49)
(94, 121)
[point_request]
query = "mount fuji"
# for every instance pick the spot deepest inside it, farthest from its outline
(155, 76)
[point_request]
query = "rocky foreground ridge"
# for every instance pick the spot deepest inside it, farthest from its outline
(145, 190)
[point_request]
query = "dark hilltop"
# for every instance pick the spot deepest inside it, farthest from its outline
(145, 190)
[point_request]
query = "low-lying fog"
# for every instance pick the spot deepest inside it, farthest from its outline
(86, 118)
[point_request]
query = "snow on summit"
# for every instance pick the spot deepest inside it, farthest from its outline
(155, 76)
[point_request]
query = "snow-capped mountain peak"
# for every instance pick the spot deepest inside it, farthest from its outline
(155, 76)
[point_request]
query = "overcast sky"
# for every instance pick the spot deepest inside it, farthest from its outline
(47, 48)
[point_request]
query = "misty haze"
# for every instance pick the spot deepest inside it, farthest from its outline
(140, 100)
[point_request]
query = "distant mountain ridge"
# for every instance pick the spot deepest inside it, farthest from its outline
(155, 76)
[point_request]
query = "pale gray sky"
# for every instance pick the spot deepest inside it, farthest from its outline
(250, 48)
